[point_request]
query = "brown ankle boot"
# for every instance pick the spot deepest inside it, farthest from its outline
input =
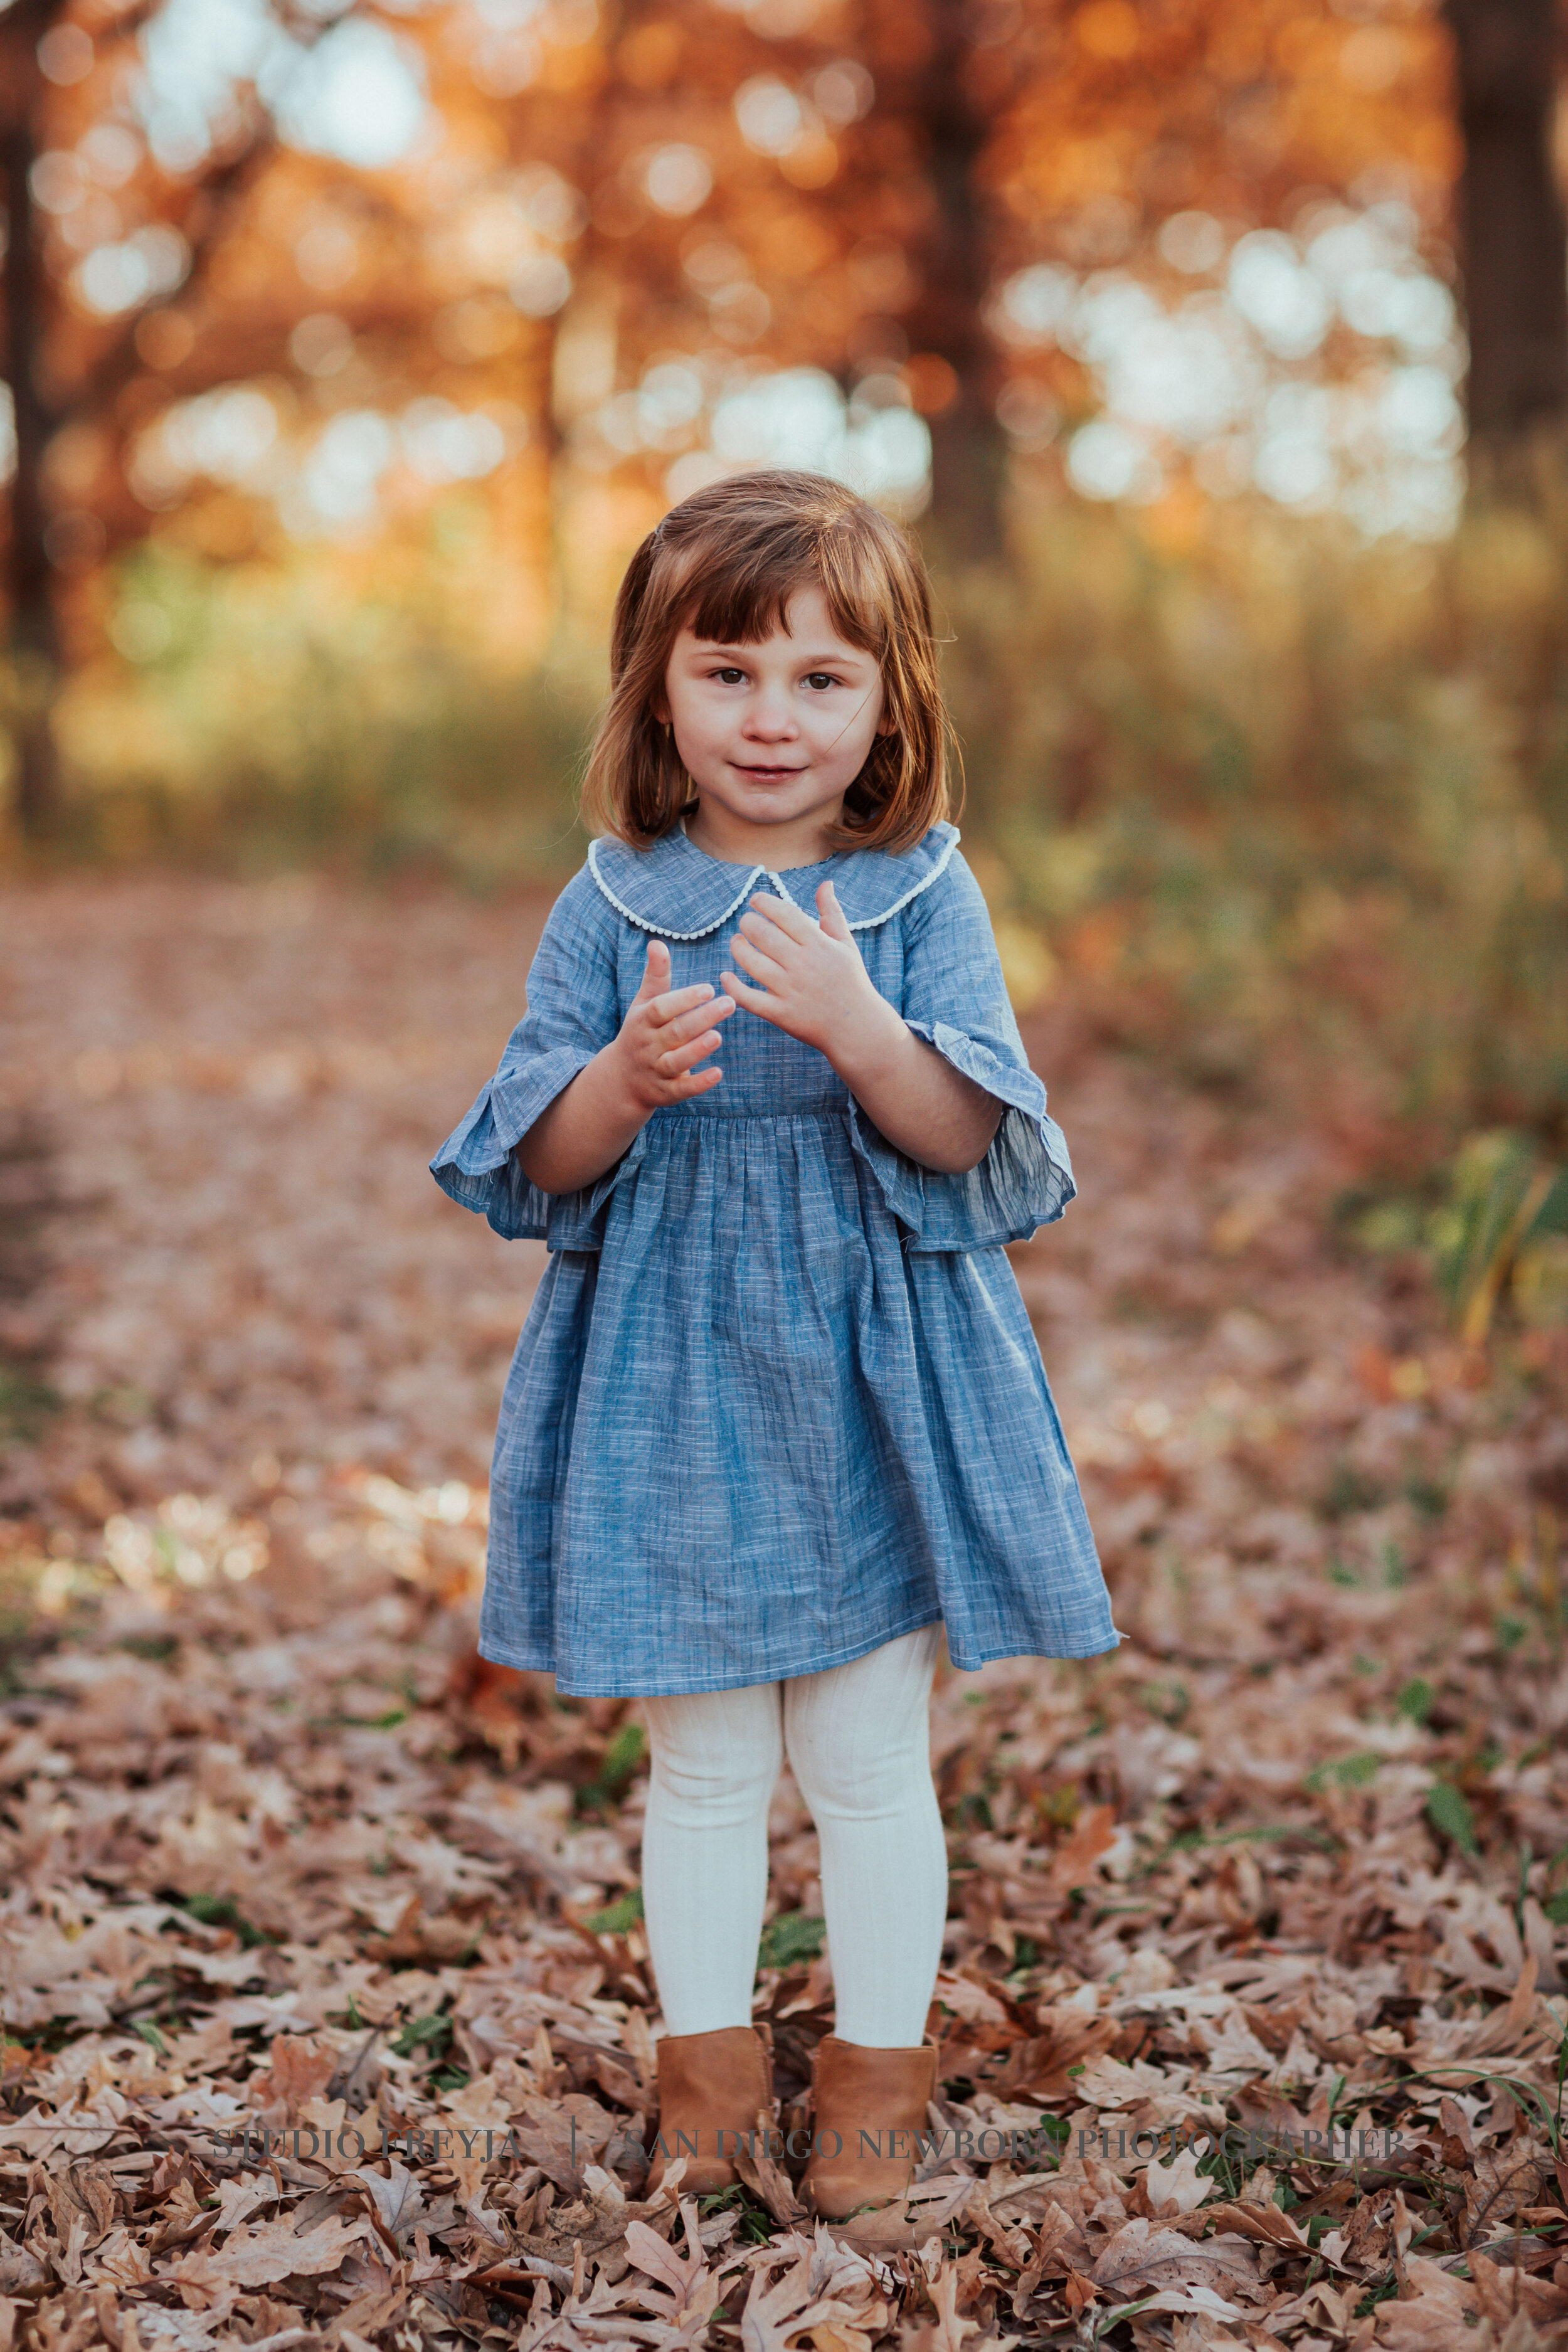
(872, 2102)
(711, 2087)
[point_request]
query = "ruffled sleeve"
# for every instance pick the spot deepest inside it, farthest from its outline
(955, 998)
(571, 1012)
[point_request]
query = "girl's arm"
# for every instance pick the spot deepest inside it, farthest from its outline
(591, 1122)
(920, 1102)
(817, 988)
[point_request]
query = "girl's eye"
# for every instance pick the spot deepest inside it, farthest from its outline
(821, 678)
(729, 675)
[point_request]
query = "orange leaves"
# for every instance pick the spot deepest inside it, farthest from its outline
(1106, 28)
(1075, 1858)
(1043, 2065)
(1502, 2182)
(1266, 2224)
(300, 2070)
(828, 2297)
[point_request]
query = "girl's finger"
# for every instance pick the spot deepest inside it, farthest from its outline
(752, 959)
(756, 1000)
(681, 1058)
(765, 933)
(697, 1082)
(656, 972)
(792, 920)
(701, 1016)
(835, 922)
(676, 1000)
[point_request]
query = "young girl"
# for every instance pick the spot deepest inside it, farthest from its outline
(776, 1420)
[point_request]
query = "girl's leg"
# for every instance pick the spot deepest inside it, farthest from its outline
(715, 1756)
(859, 1739)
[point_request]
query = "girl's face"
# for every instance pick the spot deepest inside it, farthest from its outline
(773, 735)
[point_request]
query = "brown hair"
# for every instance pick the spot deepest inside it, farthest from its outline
(726, 562)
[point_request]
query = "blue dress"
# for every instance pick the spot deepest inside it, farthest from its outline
(777, 1400)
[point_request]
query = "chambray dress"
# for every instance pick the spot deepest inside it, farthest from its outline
(777, 1400)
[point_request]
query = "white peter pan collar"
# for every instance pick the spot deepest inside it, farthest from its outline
(676, 891)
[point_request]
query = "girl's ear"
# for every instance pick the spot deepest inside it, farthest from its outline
(658, 704)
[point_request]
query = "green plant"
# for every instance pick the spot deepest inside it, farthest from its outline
(620, 1759)
(222, 1911)
(1448, 1812)
(432, 2033)
(616, 1918)
(1278, 790)
(1346, 1772)
(794, 1937)
(1506, 1217)
(1416, 1699)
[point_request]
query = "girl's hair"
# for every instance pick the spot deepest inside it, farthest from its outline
(726, 561)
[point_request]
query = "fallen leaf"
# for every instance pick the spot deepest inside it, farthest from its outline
(260, 2256)
(1500, 2184)
(396, 2194)
(1141, 2260)
(1177, 2184)
(1266, 2223)
(771, 2185)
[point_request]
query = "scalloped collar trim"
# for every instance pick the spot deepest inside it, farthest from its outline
(676, 891)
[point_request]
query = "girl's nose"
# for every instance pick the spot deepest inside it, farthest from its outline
(770, 717)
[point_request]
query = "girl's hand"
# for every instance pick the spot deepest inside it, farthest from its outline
(666, 1031)
(815, 987)
(814, 984)
(648, 1063)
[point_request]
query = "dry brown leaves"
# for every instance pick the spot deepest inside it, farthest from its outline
(280, 1854)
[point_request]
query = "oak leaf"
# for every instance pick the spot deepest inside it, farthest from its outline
(1502, 2181)
(261, 2255)
(791, 2306)
(1177, 2186)
(1266, 2223)
(396, 2194)
(300, 2070)
(1140, 2261)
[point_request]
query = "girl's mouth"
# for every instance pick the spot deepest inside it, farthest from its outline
(765, 775)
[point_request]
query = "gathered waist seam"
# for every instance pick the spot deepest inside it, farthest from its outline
(671, 1121)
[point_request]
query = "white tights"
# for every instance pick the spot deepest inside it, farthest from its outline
(858, 1743)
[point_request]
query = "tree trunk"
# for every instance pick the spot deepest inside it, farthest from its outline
(34, 639)
(1512, 226)
(35, 631)
(968, 449)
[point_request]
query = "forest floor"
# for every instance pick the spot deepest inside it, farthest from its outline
(281, 1858)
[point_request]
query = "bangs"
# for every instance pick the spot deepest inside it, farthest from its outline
(745, 595)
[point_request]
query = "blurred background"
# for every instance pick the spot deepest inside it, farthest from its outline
(1219, 357)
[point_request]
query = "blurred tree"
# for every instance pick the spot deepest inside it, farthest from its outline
(69, 357)
(607, 220)
(35, 633)
(1511, 228)
(873, 238)
(125, 277)
(953, 97)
